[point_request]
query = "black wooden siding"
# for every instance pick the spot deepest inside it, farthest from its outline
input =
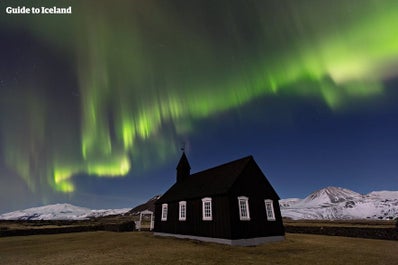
(255, 186)
(194, 224)
(226, 222)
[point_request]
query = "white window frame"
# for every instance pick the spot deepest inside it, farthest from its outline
(164, 212)
(243, 201)
(269, 208)
(182, 216)
(207, 215)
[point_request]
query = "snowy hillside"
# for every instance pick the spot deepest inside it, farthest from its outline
(339, 203)
(59, 212)
(327, 203)
(149, 205)
(286, 203)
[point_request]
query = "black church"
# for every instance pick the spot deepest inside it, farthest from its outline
(232, 204)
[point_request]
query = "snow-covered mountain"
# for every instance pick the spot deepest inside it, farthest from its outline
(340, 203)
(286, 203)
(63, 211)
(327, 203)
(329, 195)
(149, 205)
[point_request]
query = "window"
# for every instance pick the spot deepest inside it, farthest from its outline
(269, 209)
(183, 211)
(206, 209)
(164, 212)
(243, 203)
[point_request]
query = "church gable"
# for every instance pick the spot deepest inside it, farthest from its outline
(232, 204)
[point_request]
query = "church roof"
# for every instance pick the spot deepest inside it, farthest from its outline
(213, 181)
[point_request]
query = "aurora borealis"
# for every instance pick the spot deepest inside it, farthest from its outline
(113, 89)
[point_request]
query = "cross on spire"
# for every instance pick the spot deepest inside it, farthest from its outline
(183, 147)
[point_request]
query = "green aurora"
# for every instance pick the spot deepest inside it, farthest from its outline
(147, 70)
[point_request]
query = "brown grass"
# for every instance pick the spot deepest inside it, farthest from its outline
(144, 248)
(342, 223)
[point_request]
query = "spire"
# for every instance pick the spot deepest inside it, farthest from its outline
(183, 168)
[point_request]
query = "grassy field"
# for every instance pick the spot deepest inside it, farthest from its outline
(144, 248)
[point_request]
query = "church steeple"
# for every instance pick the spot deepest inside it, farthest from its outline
(183, 168)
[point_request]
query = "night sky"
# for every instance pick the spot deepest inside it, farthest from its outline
(95, 106)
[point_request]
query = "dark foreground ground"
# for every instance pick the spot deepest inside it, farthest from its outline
(39, 227)
(373, 229)
(143, 248)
